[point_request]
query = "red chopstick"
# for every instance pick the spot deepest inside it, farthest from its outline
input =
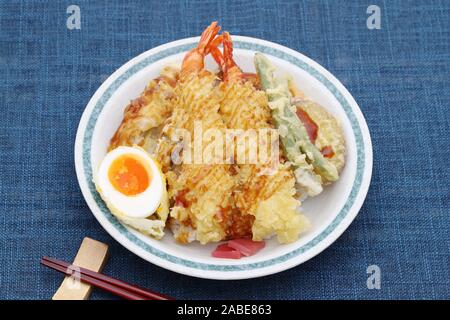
(117, 287)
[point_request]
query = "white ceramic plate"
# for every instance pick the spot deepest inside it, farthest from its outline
(330, 213)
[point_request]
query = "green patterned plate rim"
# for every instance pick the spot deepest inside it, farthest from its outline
(86, 154)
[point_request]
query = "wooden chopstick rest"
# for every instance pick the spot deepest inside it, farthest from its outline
(92, 255)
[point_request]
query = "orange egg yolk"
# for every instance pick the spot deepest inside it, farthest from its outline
(128, 175)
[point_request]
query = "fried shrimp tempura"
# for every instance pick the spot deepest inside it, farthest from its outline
(201, 190)
(268, 197)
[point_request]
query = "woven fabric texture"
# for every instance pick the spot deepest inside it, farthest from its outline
(399, 75)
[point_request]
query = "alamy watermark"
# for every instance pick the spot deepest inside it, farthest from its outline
(74, 20)
(226, 146)
(374, 279)
(74, 280)
(374, 20)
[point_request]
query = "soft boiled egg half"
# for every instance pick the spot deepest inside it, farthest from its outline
(131, 183)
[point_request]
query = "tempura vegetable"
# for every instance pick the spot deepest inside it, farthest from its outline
(293, 133)
(144, 116)
(329, 136)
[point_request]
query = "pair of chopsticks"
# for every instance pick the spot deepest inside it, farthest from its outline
(117, 287)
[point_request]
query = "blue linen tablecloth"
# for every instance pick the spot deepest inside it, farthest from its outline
(399, 75)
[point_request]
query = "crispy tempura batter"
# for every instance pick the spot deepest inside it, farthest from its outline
(144, 116)
(201, 191)
(330, 133)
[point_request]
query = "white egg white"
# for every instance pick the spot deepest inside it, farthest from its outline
(141, 205)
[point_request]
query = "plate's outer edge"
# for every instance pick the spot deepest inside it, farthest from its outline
(218, 274)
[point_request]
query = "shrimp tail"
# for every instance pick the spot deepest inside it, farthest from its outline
(229, 68)
(218, 57)
(193, 61)
(215, 52)
(207, 38)
(228, 50)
